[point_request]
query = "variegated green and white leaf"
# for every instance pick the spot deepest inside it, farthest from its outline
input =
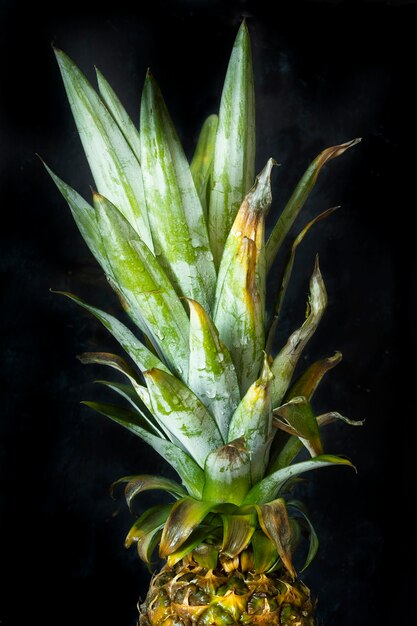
(151, 299)
(227, 473)
(240, 295)
(127, 392)
(234, 154)
(191, 474)
(121, 117)
(285, 362)
(115, 168)
(298, 198)
(211, 373)
(181, 413)
(201, 165)
(253, 420)
(268, 488)
(177, 221)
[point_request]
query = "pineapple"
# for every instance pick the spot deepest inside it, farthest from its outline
(183, 246)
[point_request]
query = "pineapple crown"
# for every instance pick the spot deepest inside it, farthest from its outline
(183, 246)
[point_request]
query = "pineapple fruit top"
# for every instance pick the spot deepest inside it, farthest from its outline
(183, 245)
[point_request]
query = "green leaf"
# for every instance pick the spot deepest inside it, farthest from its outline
(227, 473)
(145, 482)
(85, 217)
(314, 540)
(211, 373)
(191, 475)
(183, 414)
(285, 362)
(115, 168)
(153, 519)
(264, 552)
(186, 514)
(148, 544)
(253, 420)
(177, 221)
(308, 382)
(122, 119)
(202, 164)
(234, 153)
(152, 301)
(274, 521)
(299, 414)
(268, 488)
(125, 391)
(298, 198)
(138, 352)
(287, 276)
(206, 556)
(240, 296)
(237, 533)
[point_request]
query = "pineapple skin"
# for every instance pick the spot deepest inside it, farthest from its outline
(190, 595)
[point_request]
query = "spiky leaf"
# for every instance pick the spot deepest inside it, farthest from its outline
(145, 482)
(183, 414)
(177, 221)
(299, 414)
(121, 117)
(151, 299)
(234, 154)
(211, 373)
(298, 198)
(285, 362)
(191, 474)
(202, 163)
(115, 168)
(308, 382)
(268, 488)
(253, 420)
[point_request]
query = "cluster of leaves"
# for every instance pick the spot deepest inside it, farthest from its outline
(183, 245)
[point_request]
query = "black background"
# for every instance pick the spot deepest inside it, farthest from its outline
(325, 73)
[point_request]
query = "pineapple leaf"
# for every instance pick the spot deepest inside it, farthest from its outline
(152, 301)
(194, 540)
(274, 521)
(145, 482)
(240, 295)
(237, 533)
(148, 544)
(177, 221)
(138, 352)
(287, 276)
(268, 488)
(285, 362)
(264, 552)
(227, 473)
(125, 391)
(308, 382)
(186, 514)
(298, 198)
(253, 420)
(234, 153)
(333, 416)
(191, 474)
(313, 539)
(182, 414)
(114, 166)
(202, 163)
(85, 217)
(211, 373)
(299, 414)
(152, 519)
(122, 119)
